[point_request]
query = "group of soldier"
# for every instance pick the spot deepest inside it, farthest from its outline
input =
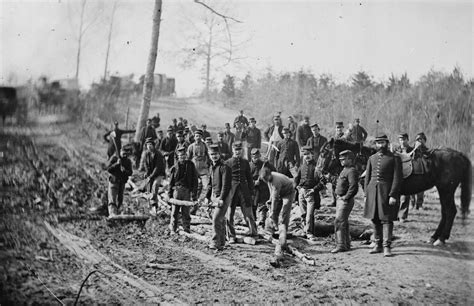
(231, 172)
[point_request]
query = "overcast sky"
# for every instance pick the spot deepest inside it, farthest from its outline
(337, 37)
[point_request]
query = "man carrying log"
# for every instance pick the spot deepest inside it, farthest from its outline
(183, 186)
(346, 189)
(282, 192)
(218, 194)
(153, 164)
(119, 169)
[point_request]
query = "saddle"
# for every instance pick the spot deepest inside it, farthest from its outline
(407, 164)
(418, 165)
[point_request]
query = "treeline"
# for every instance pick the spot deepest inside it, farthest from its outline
(439, 104)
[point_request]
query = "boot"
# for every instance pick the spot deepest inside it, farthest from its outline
(387, 234)
(339, 243)
(377, 239)
(112, 210)
(387, 252)
(278, 252)
(99, 210)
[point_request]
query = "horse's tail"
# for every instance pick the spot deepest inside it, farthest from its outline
(466, 188)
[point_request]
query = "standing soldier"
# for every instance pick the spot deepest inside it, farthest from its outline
(282, 192)
(205, 133)
(181, 143)
(188, 135)
(197, 152)
(316, 141)
(262, 193)
(223, 146)
(346, 189)
(229, 137)
(218, 193)
(359, 134)
(241, 191)
(183, 186)
(273, 134)
(115, 135)
(242, 120)
(147, 131)
(303, 132)
(288, 155)
(309, 182)
(119, 168)
(254, 137)
(153, 163)
(404, 148)
(421, 149)
(339, 130)
(382, 187)
(292, 126)
(168, 146)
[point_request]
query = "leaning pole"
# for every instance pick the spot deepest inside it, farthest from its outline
(150, 70)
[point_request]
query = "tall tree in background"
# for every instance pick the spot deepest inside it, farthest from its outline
(109, 38)
(150, 69)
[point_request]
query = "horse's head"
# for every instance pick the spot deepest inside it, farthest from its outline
(327, 160)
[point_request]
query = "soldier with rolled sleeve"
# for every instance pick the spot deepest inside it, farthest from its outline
(241, 191)
(220, 177)
(382, 188)
(183, 186)
(346, 189)
(309, 182)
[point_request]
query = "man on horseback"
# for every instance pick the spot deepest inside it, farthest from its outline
(382, 187)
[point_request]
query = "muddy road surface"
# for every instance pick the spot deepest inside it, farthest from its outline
(51, 247)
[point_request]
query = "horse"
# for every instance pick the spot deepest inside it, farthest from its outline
(449, 169)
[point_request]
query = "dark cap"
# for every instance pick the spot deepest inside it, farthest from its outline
(255, 151)
(286, 130)
(174, 120)
(381, 137)
(237, 145)
(203, 125)
(213, 148)
(339, 123)
(220, 133)
(403, 136)
(420, 136)
(209, 139)
(149, 140)
(181, 149)
(314, 125)
(306, 118)
(170, 129)
(346, 154)
(357, 120)
(198, 132)
(179, 134)
(252, 119)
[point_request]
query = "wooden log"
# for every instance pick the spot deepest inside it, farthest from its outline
(128, 218)
(181, 202)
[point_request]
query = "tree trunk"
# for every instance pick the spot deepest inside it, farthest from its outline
(79, 42)
(150, 69)
(208, 64)
(109, 39)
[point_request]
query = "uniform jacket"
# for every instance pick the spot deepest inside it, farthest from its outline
(117, 176)
(288, 156)
(229, 138)
(347, 183)
(220, 179)
(383, 180)
(183, 174)
(147, 132)
(153, 163)
(224, 150)
(303, 133)
(308, 177)
(168, 145)
(269, 131)
(241, 178)
(262, 193)
(359, 134)
(254, 138)
(316, 144)
(197, 152)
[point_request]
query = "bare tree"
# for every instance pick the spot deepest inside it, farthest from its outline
(109, 39)
(150, 69)
(211, 43)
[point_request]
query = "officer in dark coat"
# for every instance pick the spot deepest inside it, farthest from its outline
(115, 135)
(241, 191)
(262, 193)
(288, 155)
(382, 188)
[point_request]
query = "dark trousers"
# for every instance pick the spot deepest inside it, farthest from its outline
(181, 193)
(115, 194)
(341, 223)
(239, 198)
(383, 230)
(219, 225)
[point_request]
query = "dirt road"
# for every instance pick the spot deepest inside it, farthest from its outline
(48, 244)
